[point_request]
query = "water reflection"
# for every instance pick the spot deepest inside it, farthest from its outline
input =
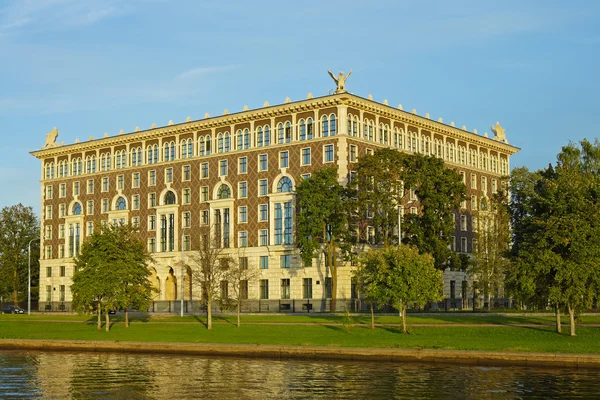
(57, 375)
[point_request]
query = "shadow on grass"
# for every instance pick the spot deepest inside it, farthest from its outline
(197, 318)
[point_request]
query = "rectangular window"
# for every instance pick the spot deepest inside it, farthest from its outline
(263, 212)
(152, 245)
(120, 182)
(224, 290)
(169, 175)
(76, 188)
(48, 232)
(243, 262)
(63, 270)
(63, 190)
(264, 262)
(353, 152)
(152, 222)
(285, 289)
(263, 235)
(243, 190)
(187, 219)
(90, 207)
(104, 205)
(263, 187)
(61, 251)
(306, 156)
(204, 194)
(264, 289)
(474, 245)
(63, 210)
(48, 252)
(307, 288)
(328, 153)
(242, 165)
(328, 287)
(243, 214)
(473, 181)
(135, 202)
(283, 223)
(463, 222)
(187, 196)
(186, 243)
(48, 293)
(90, 228)
(151, 199)
(243, 239)
(463, 244)
(61, 231)
(48, 272)
(61, 293)
(152, 178)
(305, 176)
(473, 203)
(263, 162)
(284, 159)
(135, 221)
(483, 184)
(494, 186)
(135, 180)
(186, 173)
(223, 168)
(105, 185)
(204, 170)
(452, 289)
(474, 224)
(90, 186)
(285, 261)
(463, 177)
(204, 217)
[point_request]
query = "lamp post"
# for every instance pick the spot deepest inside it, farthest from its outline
(29, 276)
(182, 269)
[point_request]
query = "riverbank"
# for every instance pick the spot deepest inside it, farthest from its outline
(472, 357)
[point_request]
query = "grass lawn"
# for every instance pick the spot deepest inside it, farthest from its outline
(502, 338)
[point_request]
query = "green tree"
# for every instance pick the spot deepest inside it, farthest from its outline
(490, 257)
(322, 222)
(400, 275)
(213, 264)
(18, 227)
(239, 275)
(111, 271)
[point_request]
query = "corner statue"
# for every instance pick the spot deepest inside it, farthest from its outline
(340, 80)
(499, 133)
(51, 139)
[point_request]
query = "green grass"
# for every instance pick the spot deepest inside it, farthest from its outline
(501, 338)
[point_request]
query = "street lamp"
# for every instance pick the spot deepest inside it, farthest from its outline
(182, 269)
(29, 276)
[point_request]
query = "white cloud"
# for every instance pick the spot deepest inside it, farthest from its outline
(194, 72)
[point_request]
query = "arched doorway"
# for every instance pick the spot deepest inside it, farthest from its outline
(171, 286)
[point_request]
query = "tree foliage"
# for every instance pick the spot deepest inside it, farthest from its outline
(400, 275)
(239, 275)
(18, 227)
(111, 271)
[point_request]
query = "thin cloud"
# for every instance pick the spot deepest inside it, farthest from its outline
(195, 72)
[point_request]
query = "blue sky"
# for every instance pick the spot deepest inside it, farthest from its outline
(89, 67)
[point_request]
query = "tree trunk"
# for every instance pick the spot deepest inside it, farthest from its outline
(15, 295)
(404, 318)
(107, 320)
(209, 312)
(372, 317)
(239, 309)
(127, 318)
(99, 318)
(557, 313)
(572, 320)
(333, 267)
(489, 299)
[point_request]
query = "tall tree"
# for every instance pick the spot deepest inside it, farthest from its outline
(322, 222)
(492, 226)
(239, 275)
(111, 271)
(400, 275)
(213, 263)
(18, 227)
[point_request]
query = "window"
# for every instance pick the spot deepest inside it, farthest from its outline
(264, 262)
(263, 237)
(121, 204)
(48, 213)
(48, 293)
(48, 235)
(474, 224)
(463, 222)
(61, 251)
(305, 156)
(223, 168)
(494, 186)
(483, 184)
(264, 289)
(77, 209)
(169, 175)
(63, 270)
(307, 288)
(353, 152)
(305, 176)
(187, 219)
(151, 178)
(243, 263)
(48, 272)
(135, 221)
(63, 210)
(204, 217)
(243, 239)
(105, 184)
(76, 188)
(151, 199)
(263, 187)
(263, 162)
(61, 231)
(186, 173)
(204, 170)
(63, 190)
(463, 244)
(90, 207)
(463, 177)
(48, 252)
(473, 181)
(243, 190)
(120, 182)
(169, 198)
(152, 245)
(135, 180)
(284, 159)
(283, 223)
(61, 296)
(285, 260)
(243, 214)
(105, 205)
(263, 212)
(204, 194)
(90, 186)
(285, 288)
(328, 153)
(473, 203)
(224, 192)
(452, 289)
(187, 196)
(284, 185)
(242, 165)
(328, 287)
(186, 243)
(224, 290)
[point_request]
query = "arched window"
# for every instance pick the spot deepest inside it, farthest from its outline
(224, 192)
(267, 135)
(284, 185)
(121, 204)
(332, 125)
(259, 137)
(208, 144)
(202, 147)
(246, 139)
(169, 198)
(325, 126)
(302, 130)
(220, 143)
(288, 132)
(77, 209)
(227, 142)
(309, 128)
(240, 139)
(280, 133)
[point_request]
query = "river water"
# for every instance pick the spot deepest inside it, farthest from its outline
(64, 375)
